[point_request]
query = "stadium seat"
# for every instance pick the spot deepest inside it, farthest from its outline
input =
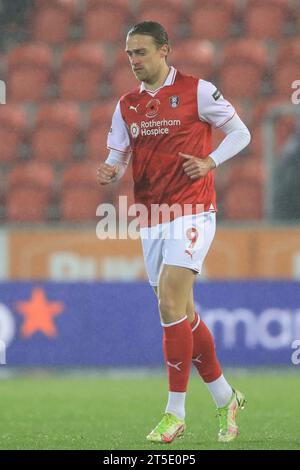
(29, 69)
(212, 19)
(99, 125)
(287, 67)
(104, 22)
(33, 175)
(243, 201)
(194, 57)
(56, 130)
(80, 193)
(30, 189)
(80, 72)
(178, 5)
(96, 142)
(102, 113)
(242, 68)
(170, 18)
(267, 19)
(284, 124)
(13, 124)
(123, 81)
(243, 196)
(26, 204)
(80, 203)
(52, 20)
(80, 174)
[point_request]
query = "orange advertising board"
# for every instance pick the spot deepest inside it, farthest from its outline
(70, 254)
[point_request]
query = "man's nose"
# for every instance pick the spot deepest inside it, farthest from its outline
(135, 61)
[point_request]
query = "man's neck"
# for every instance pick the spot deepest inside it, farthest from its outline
(160, 80)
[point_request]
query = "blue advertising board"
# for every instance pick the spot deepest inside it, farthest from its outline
(117, 324)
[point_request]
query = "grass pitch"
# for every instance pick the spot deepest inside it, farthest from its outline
(115, 412)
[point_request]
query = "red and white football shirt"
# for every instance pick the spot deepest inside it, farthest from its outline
(154, 126)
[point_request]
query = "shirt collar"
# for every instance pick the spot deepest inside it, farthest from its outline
(168, 81)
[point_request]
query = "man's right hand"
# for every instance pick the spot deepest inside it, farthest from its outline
(106, 173)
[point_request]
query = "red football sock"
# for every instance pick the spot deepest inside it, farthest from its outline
(178, 348)
(204, 352)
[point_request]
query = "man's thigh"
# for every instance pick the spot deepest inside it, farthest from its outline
(152, 245)
(188, 241)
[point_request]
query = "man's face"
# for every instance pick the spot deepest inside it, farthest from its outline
(144, 56)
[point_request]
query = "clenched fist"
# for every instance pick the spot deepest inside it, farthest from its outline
(106, 173)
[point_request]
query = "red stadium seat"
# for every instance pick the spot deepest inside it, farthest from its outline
(99, 125)
(243, 201)
(80, 73)
(33, 175)
(102, 113)
(80, 174)
(29, 68)
(80, 203)
(178, 5)
(80, 193)
(243, 196)
(266, 19)
(284, 124)
(26, 204)
(12, 131)
(242, 68)
(96, 142)
(52, 20)
(123, 4)
(287, 67)
(194, 57)
(56, 130)
(123, 81)
(211, 19)
(104, 22)
(170, 18)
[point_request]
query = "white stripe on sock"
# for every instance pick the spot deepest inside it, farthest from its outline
(197, 324)
(166, 325)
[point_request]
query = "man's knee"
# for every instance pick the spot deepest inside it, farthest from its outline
(168, 311)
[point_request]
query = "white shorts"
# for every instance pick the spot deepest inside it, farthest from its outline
(183, 242)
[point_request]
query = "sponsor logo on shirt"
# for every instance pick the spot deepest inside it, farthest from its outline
(135, 130)
(153, 128)
(174, 101)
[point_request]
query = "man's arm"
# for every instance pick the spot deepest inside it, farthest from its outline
(218, 112)
(237, 138)
(118, 143)
(113, 168)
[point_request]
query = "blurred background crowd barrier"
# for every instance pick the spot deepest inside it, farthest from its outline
(63, 69)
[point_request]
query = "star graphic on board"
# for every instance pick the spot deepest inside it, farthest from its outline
(39, 314)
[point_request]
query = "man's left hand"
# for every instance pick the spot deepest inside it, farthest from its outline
(195, 167)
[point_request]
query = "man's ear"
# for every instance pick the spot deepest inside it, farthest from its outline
(164, 50)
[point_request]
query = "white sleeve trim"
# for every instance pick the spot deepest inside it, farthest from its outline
(237, 138)
(118, 158)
